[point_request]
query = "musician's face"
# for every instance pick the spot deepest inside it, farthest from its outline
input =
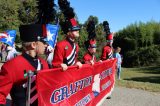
(40, 47)
(92, 50)
(110, 42)
(74, 34)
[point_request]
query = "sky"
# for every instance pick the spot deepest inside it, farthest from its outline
(119, 13)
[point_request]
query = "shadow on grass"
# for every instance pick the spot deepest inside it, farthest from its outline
(149, 70)
(151, 79)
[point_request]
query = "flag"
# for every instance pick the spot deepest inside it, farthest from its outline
(8, 37)
(52, 33)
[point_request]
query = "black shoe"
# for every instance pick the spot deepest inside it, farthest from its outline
(109, 97)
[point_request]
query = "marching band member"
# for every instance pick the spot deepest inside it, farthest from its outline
(90, 44)
(107, 52)
(89, 57)
(12, 72)
(34, 43)
(66, 51)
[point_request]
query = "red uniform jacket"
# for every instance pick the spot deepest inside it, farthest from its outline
(65, 52)
(12, 74)
(88, 57)
(107, 53)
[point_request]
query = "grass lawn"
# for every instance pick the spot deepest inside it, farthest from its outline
(146, 78)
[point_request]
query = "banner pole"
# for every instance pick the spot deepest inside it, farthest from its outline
(29, 75)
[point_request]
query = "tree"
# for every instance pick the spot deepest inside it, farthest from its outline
(9, 14)
(140, 41)
(94, 18)
(27, 11)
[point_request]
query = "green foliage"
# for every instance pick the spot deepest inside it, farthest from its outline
(8, 14)
(139, 43)
(142, 57)
(157, 36)
(27, 11)
(14, 13)
(81, 40)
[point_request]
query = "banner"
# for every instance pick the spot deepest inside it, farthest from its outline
(86, 86)
(106, 72)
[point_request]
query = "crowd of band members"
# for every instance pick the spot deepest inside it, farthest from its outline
(65, 54)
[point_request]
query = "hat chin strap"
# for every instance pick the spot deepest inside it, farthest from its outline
(109, 44)
(71, 39)
(71, 36)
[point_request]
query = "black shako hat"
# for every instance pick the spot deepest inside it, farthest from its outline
(106, 27)
(33, 32)
(70, 23)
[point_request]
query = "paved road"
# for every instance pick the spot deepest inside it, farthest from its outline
(129, 97)
(132, 97)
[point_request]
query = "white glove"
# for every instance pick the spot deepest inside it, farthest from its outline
(92, 62)
(64, 67)
(79, 64)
